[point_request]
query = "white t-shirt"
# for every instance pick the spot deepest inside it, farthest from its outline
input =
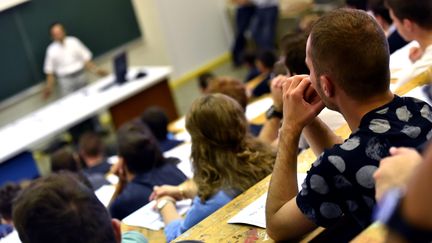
(67, 58)
(415, 69)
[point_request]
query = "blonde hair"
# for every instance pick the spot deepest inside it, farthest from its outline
(224, 155)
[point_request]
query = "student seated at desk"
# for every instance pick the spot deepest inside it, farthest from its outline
(157, 120)
(382, 16)
(226, 161)
(65, 159)
(91, 151)
(60, 208)
(8, 193)
(249, 60)
(265, 62)
(350, 78)
(413, 20)
(203, 81)
(294, 51)
(141, 167)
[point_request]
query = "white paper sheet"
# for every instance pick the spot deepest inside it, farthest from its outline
(254, 213)
(418, 93)
(13, 237)
(182, 152)
(105, 193)
(257, 108)
(149, 218)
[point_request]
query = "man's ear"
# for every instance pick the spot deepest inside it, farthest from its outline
(326, 86)
(408, 25)
(117, 229)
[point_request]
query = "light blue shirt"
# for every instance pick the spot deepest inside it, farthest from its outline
(133, 237)
(199, 211)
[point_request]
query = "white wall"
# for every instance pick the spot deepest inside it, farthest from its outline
(185, 34)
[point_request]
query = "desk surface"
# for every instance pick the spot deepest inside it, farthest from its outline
(72, 109)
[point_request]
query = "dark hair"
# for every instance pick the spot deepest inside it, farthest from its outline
(350, 47)
(379, 9)
(138, 147)
(58, 208)
(358, 4)
(231, 87)
(267, 58)
(418, 11)
(204, 79)
(295, 53)
(64, 159)
(249, 58)
(8, 192)
(90, 143)
(157, 120)
(54, 24)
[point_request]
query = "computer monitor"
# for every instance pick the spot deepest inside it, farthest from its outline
(120, 68)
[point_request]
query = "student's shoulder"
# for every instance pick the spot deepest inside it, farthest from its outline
(413, 110)
(349, 157)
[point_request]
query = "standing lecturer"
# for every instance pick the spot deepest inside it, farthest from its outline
(66, 60)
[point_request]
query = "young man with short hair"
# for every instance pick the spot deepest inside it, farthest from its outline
(382, 16)
(59, 208)
(413, 20)
(91, 150)
(142, 167)
(347, 54)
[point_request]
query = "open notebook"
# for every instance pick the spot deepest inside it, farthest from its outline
(148, 217)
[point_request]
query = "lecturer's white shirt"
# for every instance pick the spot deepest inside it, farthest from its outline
(67, 58)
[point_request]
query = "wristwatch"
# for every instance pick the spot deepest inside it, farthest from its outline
(162, 203)
(388, 212)
(272, 112)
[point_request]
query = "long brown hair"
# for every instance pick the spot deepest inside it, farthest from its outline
(224, 155)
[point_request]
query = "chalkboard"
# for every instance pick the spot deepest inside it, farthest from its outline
(102, 25)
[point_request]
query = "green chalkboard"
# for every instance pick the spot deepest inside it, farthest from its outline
(102, 25)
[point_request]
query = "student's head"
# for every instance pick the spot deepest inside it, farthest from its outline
(203, 81)
(249, 59)
(65, 159)
(357, 4)
(381, 13)
(91, 146)
(295, 53)
(157, 120)
(231, 87)
(265, 61)
(59, 208)
(138, 148)
(411, 16)
(224, 155)
(8, 192)
(57, 31)
(347, 53)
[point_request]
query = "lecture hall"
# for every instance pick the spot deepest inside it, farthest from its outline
(147, 121)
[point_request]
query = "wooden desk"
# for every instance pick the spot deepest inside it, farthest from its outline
(151, 235)
(216, 229)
